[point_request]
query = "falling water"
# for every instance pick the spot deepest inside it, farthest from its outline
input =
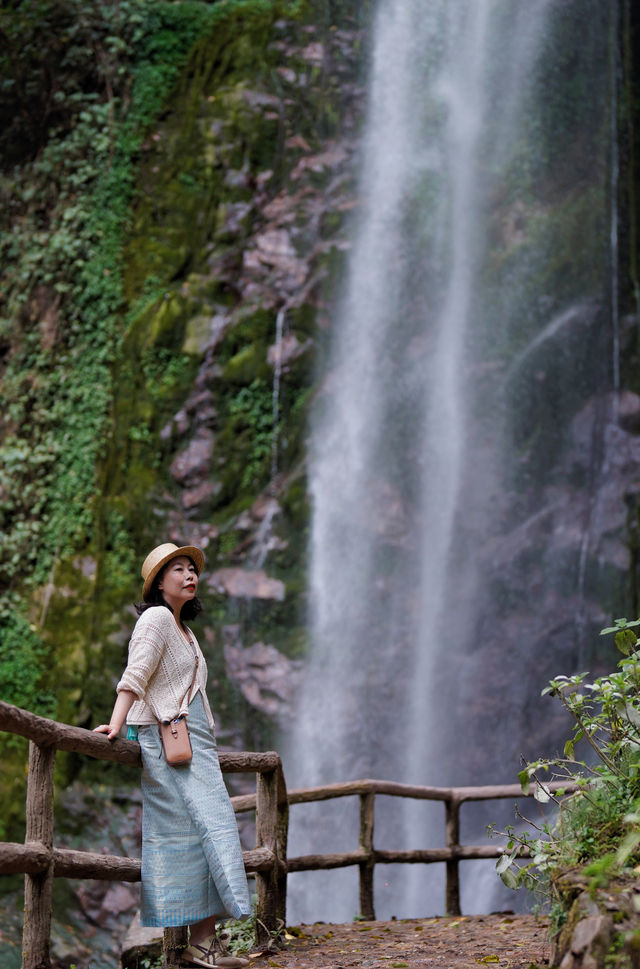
(277, 374)
(407, 464)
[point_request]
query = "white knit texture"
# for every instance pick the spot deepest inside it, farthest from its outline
(160, 669)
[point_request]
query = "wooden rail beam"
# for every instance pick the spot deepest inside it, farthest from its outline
(497, 792)
(34, 858)
(487, 792)
(430, 856)
(50, 733)
(68, 863)
(20, 859)
(325, 862)
(262, 762)
(424, 856)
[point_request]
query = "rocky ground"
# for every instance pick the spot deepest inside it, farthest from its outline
(464, 942)
(514, 941)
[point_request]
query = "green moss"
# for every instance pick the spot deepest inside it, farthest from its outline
(121, 251)
(247, 365)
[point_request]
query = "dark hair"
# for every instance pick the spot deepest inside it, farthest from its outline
(155, 598)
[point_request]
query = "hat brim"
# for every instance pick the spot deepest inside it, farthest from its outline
(189, 550)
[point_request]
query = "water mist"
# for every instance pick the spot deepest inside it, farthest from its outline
(418, 502)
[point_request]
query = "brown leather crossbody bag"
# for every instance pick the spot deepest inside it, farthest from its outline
(174, 734)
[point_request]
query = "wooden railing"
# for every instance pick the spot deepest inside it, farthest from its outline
(366, 856)
(41, 861)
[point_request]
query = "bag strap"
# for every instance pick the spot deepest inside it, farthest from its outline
(195, 672)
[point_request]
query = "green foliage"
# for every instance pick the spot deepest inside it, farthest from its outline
(91, 333)
(165, 372)
(21, 652)
(65, 215)
(240, 936)
(597, 821)
(22, 656)
(251, 424)
(65, 206)
(148, 962)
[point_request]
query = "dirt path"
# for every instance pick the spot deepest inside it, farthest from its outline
(511, 942)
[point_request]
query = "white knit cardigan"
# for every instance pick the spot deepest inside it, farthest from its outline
(160, 669)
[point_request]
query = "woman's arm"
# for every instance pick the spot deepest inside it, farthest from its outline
(124, 702)
(145, 649)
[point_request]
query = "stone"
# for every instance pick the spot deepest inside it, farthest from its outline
(196, 334)
(234, 219)
(140, 942)
(273, 248)
(586, 906)
(331, 159)
(246, 584)
(629, 411)
(587, 931)
(265, 507)
(195, 460)
(313, 53)
(287, 350)
(260, 99)
(287, 74)
(87, 565)
(179, 424)
(201, 534)
(297, 141)
(192, 497)
(268, 679)
(120, 897)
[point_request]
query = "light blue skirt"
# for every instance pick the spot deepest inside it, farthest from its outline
(192, 863)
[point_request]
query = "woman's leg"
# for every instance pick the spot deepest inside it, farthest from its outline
(202, 930)
(202, 946)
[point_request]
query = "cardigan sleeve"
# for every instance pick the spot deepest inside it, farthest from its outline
(146, 647)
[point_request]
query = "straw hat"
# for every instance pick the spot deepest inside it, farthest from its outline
(162, 554)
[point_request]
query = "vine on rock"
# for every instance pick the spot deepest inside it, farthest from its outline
(81, 84)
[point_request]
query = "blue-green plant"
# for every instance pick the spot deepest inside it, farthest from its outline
(596, 817)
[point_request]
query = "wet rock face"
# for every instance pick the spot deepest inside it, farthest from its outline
(194, 461)
(244, 195)
(559, 565)
(246, 584)
(268, 680)
(601, 926)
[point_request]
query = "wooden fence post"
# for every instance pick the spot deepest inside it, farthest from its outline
(39, 829)
(267, 837)
(174, 941)
(367, 910)
(452, 841)
(282, 836)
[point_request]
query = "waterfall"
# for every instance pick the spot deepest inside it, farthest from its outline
(275, 396)
(437, 426)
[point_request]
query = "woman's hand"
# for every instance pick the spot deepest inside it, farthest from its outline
(111, 731)
(123, 704)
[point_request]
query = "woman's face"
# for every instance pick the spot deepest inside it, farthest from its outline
(178, 582)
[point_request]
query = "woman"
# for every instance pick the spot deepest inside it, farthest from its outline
(192, 867)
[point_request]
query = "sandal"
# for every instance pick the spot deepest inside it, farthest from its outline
(205, 956)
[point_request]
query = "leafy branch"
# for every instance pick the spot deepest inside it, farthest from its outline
(598, 824)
